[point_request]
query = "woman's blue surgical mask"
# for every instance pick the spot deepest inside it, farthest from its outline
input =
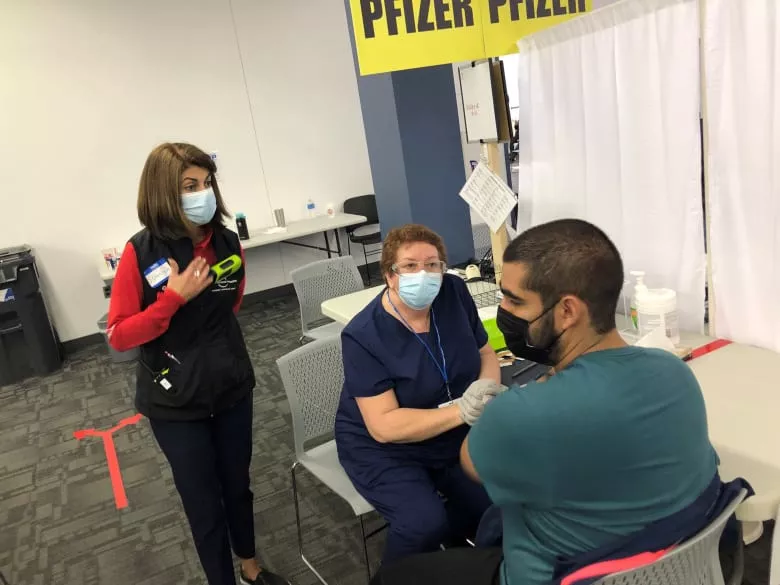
(199, 207)
(417, 290)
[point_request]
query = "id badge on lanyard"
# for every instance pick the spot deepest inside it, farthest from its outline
(446, 404)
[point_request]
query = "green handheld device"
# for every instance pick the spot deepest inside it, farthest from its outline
(227, 267)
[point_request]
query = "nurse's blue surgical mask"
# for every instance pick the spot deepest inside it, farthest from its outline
(418, 289)
(199, 207)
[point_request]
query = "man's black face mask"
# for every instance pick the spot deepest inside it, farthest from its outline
(517, 335)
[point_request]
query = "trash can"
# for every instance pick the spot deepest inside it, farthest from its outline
(118, 357)
(28, 342)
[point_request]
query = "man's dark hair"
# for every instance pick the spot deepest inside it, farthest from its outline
(571, 256)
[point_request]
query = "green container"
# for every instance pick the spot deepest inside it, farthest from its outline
(495, 337)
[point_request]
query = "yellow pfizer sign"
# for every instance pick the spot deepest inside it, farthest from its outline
(405, 34)
(504, 22)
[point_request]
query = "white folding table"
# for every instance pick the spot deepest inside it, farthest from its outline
(741, 386)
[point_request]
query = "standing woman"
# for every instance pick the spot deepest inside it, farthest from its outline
(195, 378)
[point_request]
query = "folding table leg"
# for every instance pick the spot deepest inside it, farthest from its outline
(327, 243)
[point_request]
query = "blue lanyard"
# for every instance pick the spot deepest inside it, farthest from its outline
(443, 367)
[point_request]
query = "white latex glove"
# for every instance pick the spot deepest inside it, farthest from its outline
(476, 396)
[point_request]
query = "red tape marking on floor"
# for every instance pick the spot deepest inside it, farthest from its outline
(111, 459)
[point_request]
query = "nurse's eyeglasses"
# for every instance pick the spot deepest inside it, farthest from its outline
(412, 267)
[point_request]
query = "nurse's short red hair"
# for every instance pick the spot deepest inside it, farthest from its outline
(411, 233)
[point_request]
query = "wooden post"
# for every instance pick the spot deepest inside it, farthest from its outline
(499, 240)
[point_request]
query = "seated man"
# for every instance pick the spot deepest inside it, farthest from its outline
(614, 440)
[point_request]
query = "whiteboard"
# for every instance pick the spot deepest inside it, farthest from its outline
(479, 112)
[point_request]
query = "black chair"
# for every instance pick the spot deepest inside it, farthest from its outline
(366, 233)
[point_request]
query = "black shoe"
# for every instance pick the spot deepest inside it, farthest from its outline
(264, 577)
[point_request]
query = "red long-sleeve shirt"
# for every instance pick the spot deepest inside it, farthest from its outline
(128, 325)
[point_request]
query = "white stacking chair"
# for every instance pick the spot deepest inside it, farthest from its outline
(313, 376)
(695, 562)
(318, 282)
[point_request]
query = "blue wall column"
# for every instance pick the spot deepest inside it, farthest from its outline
(411, 123)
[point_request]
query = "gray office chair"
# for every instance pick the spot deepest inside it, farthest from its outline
(318, 282)
(367, 233)
(695, 562)
(313, 376)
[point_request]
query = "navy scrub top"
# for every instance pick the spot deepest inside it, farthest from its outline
(381, 354)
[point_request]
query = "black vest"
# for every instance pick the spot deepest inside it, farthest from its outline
(203, 349)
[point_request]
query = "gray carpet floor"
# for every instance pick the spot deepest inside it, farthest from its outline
(58, 521)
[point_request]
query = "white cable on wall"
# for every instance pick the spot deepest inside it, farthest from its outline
(254, 122)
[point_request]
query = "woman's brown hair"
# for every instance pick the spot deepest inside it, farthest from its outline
(410, 233)
(159, 191)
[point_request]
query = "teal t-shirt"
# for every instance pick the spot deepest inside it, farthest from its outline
(610, 444)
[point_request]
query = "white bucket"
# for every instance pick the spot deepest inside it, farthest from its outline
(657, 308)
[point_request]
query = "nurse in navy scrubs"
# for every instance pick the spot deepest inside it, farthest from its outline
(418, 371)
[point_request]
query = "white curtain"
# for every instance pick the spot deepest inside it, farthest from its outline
(609, 120)
(742, 65)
